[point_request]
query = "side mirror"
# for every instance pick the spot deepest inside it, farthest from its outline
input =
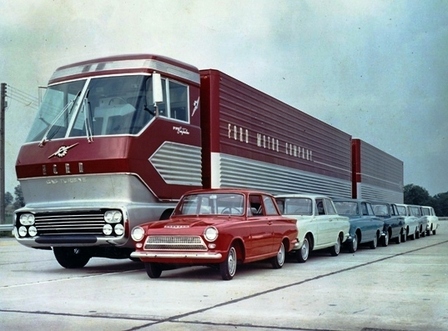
(157, 92)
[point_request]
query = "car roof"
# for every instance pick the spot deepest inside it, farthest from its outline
(302, 195)
(227, 190)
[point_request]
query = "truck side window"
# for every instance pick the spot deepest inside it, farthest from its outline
(175, 102)
(178, 101)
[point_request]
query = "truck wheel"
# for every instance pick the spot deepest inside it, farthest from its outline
(154, 270)
(279, 260)
(304, 252)
(336, 249)
(354, 244)
(227, 268)
(71, 257)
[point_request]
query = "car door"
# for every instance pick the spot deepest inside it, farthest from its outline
(259, 241)
(368, 224)
(326, 226)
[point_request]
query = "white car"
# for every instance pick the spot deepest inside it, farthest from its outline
(318, 223)
(432, 219)
(411, 222)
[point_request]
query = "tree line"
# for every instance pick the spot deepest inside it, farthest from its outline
(413, 195)
(417, 195)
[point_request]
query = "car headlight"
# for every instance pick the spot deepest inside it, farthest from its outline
(113, 216)
(211, 233)
(137, 233)
(26, 219)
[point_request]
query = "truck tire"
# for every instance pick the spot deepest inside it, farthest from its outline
(71, 257)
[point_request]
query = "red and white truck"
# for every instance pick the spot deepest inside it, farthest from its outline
(118, 140)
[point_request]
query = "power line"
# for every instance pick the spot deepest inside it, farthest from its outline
(22, 97)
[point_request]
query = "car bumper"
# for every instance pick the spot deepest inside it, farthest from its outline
(177, 255)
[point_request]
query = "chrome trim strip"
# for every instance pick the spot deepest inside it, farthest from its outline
(163, 255)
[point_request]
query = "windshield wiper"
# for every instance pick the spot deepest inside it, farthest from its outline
(68, 107)
(87, 117)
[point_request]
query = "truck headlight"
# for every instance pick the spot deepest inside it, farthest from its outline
(211, 233)
(23, 231)
(27, 219)
(113, 216)
(137, 233)
(119, 229)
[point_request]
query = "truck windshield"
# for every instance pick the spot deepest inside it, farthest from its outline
(106, 106)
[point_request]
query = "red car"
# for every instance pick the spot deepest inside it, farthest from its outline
(220, 227)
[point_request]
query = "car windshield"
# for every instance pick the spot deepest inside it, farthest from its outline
(295, 206)
(347, 208)
(380, 210)
(211, 203)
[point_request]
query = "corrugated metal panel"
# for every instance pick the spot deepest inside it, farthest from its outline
(232, 171)
(257, 126)
(375, 193)
(178, 164)
(378, 171)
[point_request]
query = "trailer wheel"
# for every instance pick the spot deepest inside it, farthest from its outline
(154, 270)
(71, 257)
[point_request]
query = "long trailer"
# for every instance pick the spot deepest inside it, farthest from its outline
(118, 140)
(377, 175)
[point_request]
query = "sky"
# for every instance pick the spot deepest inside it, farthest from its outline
(376, 70)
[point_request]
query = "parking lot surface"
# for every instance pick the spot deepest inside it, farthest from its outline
(399, 287)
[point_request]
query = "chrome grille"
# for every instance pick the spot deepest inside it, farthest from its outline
(86, 222)
(175, 243)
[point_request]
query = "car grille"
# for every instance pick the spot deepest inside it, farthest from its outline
(175, 243)
(54, 223)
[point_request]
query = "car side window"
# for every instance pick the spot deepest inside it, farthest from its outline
(329, 207)
(269, 206)
(369, 209)
(320, 206)
(364, 210)
(255, 205)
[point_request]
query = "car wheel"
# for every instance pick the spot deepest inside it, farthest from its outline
(434, 232)
(354, 244)
(279, 260)
(404, 236)
(227, 268)
(417, 233)
(336, 249)
(414, 235)
(71, 257)
(398, 239)
(374, 242)
(154, 270)
(386, 239)
(304, 252)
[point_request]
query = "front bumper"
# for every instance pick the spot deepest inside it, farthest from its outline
(177, 255)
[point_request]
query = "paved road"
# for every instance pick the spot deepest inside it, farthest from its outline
(399, 287)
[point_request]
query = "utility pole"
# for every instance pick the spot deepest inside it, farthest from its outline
(2, 152)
